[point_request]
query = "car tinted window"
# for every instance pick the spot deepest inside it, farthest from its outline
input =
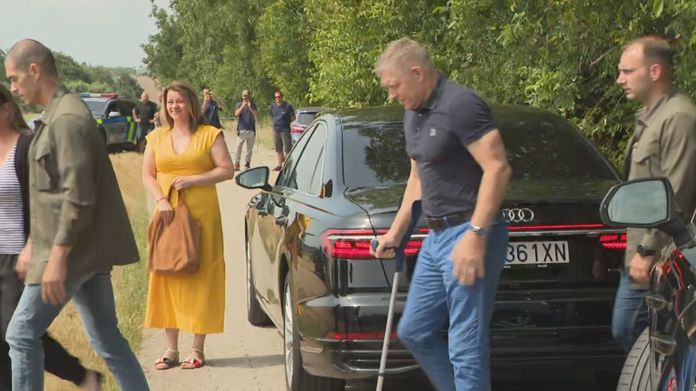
(375, 155)
(544, 146)
(289, 166)
(538, 147)
(113, 107)
(125, 108)
(306, 118)
(96, 107)
(306, 176)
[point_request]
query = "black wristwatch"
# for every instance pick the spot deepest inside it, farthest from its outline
(644, 251)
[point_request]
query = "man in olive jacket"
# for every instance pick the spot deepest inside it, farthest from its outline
(79, 227)
(663, 145)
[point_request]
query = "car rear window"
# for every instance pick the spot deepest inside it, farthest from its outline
(306, 118)
(547, 147)
(542, 147)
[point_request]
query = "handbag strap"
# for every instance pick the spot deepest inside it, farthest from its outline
(179, 196)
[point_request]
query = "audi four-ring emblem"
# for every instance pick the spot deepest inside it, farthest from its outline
(518, 215)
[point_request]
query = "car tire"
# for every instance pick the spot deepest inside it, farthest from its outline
(635, 375)
(255, 313)
(296, 378)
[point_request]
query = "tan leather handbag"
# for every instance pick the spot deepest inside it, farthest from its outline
(174, 248)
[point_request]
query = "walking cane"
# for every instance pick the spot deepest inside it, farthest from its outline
(400, 258)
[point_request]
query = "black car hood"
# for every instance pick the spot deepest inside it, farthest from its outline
(386, 199)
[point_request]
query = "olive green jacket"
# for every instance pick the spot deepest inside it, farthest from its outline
(664, 145)
(74, 197)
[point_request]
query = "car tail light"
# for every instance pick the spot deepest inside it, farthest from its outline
(358, 336)
(613, 241)
(555, 227)
(355, 244)
(296, 129)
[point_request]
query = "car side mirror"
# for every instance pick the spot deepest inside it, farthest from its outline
(113, 114)
(644, 203)
(255, 178)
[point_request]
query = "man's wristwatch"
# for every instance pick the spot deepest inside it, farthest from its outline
(644, 251)
(479, 231)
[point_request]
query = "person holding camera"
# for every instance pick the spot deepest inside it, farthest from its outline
(211, 109)
(245, 111)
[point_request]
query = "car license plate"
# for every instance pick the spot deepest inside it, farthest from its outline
(537, 253)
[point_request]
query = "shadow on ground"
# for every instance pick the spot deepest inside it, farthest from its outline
(247, 361)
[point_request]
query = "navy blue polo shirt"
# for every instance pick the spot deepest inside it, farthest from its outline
(246, 119)
(437, 135)
(212, 113)
(281, 115)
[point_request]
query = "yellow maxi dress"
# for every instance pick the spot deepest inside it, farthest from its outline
(193, 303)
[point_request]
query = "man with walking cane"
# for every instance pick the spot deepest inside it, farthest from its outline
(460, 172)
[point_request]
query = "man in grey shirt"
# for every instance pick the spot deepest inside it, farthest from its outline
(245, 111)
(79, 227)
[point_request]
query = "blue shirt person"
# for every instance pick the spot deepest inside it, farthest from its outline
(282, 114)
(211, 109)
(245, 111)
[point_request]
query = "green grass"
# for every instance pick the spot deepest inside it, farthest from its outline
(264, 132)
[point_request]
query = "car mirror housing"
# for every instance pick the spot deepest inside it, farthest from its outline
(644, 203)
(255, 178)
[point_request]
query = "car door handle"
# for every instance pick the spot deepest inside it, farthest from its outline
(281, 221)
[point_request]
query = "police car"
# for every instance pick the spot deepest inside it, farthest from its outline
(114, 116)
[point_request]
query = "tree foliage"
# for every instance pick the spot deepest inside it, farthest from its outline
(80, 77)
(556, 54)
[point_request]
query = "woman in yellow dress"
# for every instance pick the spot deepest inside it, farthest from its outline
(190, 157)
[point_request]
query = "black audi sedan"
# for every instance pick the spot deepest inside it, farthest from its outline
(310, 272)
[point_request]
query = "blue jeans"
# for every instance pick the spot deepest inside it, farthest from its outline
(461, 360)
(94, 298)
(630, 315)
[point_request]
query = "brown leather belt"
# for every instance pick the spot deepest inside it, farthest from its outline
(438, 223)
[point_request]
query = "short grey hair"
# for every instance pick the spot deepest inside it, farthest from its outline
(403, 52)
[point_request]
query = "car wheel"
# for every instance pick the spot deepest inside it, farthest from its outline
(296, 378)
(255, 313)
(635, 375)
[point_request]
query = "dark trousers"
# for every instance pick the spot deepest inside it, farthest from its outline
(57, 360)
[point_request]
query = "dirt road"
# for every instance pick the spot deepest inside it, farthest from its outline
(243, 357)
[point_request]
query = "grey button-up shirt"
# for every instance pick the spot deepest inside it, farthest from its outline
(664, 145)
(74, 197)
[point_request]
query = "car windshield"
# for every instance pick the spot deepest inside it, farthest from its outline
(305, 118)
(540, 146)
(95, 106)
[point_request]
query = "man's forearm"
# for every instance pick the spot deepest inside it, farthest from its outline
(491, 194)
(403, 216)
(59, 252)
